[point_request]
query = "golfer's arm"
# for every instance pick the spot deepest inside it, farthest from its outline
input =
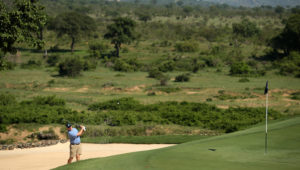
(80, 132)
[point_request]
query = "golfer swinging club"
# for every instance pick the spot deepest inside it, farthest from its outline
(75, 146)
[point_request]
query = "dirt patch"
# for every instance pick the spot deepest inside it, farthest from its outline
(15, 134)
(57, 89)
(192, 92)
(135, 88)
(222, 106)
(22, 135)
(82, 90)
(57, 131)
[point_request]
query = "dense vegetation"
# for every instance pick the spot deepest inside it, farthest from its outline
(127, 111)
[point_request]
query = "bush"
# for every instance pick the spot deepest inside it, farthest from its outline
(48, 100)
(98, 49)
(296, 96)
(290, 65)
(187, 46)
(155, 73)
(182, 78)
(212, 61)
(89, 65)
(7, 99)
(126, 65)
(126, 103)
(71, 67)
(6, 65)
(243, 80)
(239, 68)
(166, 66)
(3, 128)
(169, 89)
(53, 60)
(164, 80)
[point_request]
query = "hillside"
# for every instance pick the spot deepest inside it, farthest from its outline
(237, 3)
(254, 3)
(240, 150)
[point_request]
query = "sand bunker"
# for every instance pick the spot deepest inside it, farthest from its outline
(53, 156)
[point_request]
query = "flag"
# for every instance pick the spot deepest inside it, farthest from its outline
(266, 89)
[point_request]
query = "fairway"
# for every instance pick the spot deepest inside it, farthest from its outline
(240, 150)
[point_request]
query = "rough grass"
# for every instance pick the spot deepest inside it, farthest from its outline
(82, 91)
(240, 150)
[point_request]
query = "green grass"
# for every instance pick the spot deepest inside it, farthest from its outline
(240, 150)
(162, 139)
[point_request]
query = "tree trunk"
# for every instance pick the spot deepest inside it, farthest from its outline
(72, 44)
(117, 46)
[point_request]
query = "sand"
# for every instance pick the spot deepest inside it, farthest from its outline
(43, 158)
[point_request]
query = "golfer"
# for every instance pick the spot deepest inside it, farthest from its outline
(75, 146)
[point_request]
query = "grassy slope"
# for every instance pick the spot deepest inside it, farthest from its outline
(240, 150)
(162, 139)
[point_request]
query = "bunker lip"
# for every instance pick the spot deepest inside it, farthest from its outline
(57, 155)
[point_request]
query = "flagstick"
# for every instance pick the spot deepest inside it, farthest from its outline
(266, 137)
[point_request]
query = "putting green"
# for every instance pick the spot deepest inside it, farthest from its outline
(240, 150)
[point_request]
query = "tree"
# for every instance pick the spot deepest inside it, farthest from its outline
(18, 23)
(289, 39)
(144, 16)
(73, 24)
(121, 31)
(245, 28)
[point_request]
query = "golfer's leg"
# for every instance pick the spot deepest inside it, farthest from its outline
(72, 153)
(70, 160)
(77, 157)
(79, 152)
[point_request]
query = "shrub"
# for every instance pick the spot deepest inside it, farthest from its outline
(164, 80)
(166, 66)
(121, 65)
(53, 60)
(290, 65)
(296, 96)
(3, 128)
(7, 99)
(151, 94)
(209, 99)
(126, 103)
(71, 66)
(155, 73)
(126, 65)
(98, 49)
(212, 61)
(182, 78)
(6, 65)
(165, 43)
(243, 80)
(239, 68)
(187, 46)
(89, 65)
(169, 89)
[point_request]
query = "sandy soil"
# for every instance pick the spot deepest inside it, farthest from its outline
(53, 156)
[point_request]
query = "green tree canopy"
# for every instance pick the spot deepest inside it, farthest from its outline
(73, 24)
(245, 28)
(289, 39)
(121, 31)
(18, 22)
